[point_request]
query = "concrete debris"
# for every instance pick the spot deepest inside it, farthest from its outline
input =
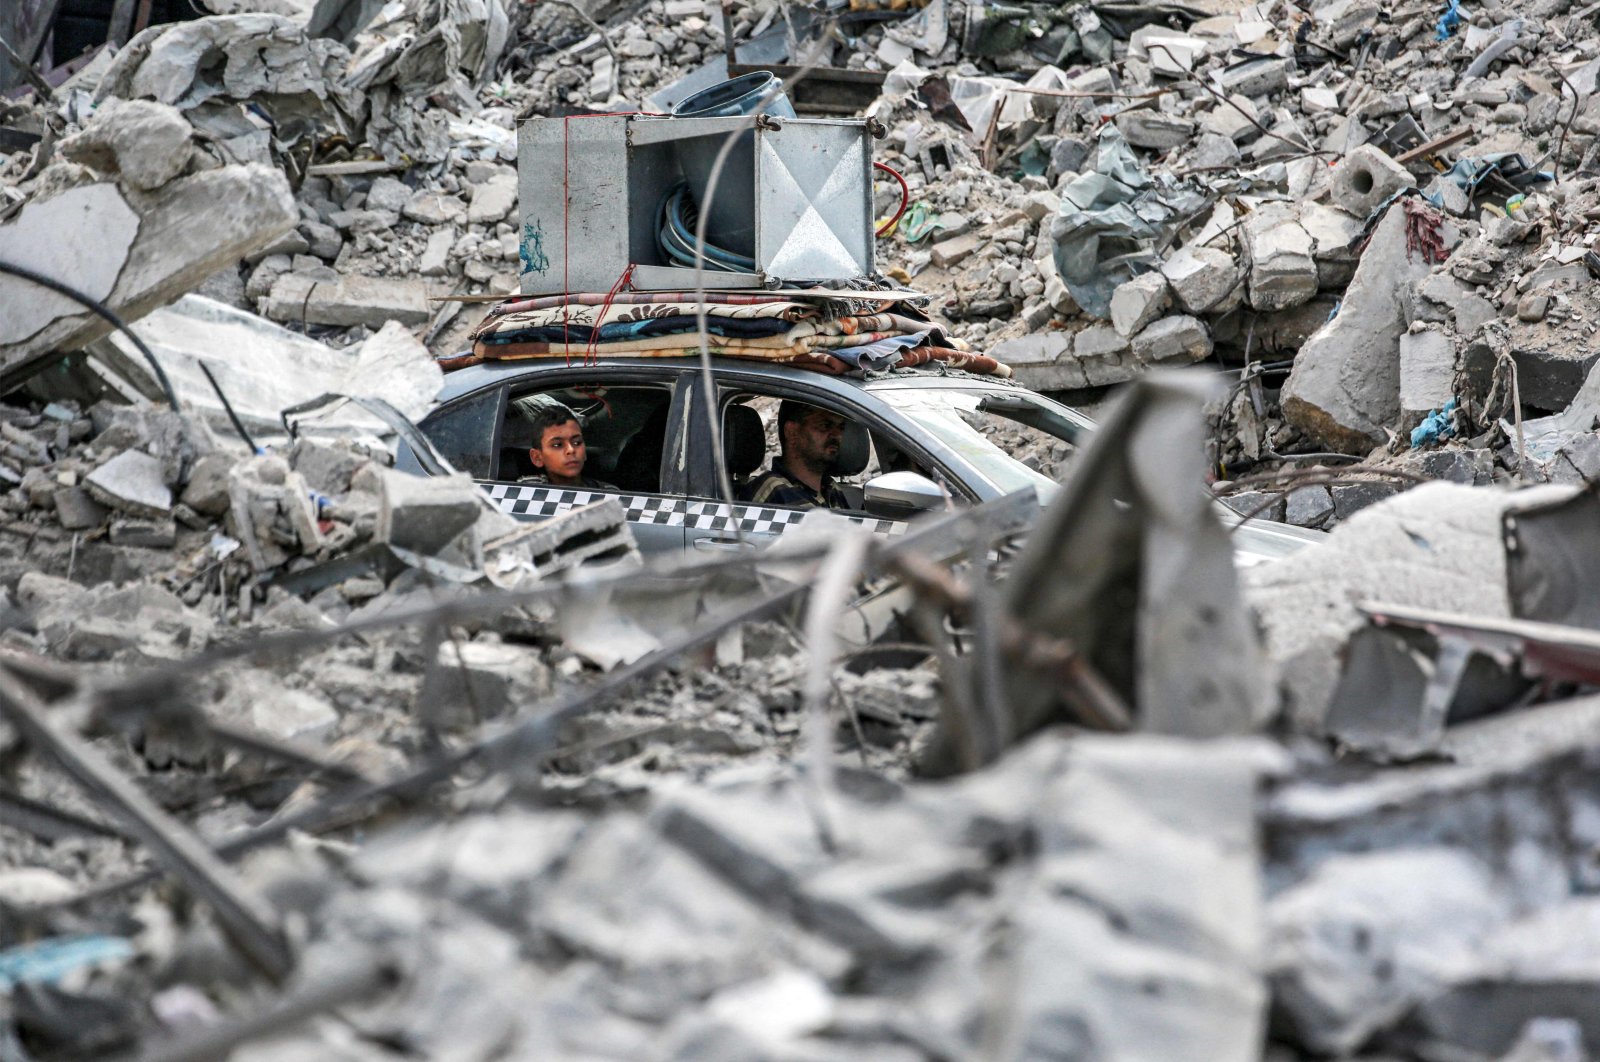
(512, 790)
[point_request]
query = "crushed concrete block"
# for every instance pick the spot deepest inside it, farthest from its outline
(1366, 937)
(270, 511)
(1245, 502)
(1308, 506)
(1104, 356)
(207, 489)
(1344, 388)
(1456, 465)
(1042, 361)
(1177, 340)
(1154, 129)
(1283, 272)
(1472, 313)
(388, 194)
(1549, 378)
(493, 200)
(1138, 302)
(1315, 99)
(1427, 371)
(424, 514)
(435, 260)
(1435, 546)
(1532, 307)
(144, 143)
(947, 253)
(474, 681)
(1351, 498)
(434, 208)
(1214, 151)
(348, 300)
(131, 482)
(144, 533)
(1233, 119)
(76, 509)
(1365, 179)
(271, 708)
(1335, 235)
(1202, 279)
(1255, 77)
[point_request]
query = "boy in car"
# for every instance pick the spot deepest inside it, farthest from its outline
(558, 450)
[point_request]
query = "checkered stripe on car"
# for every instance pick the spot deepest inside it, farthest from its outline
(535, 501)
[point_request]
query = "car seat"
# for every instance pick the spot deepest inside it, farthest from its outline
(855, 450)
(639, 463)
(744, 442)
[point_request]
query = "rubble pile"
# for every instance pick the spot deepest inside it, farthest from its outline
(307, 756)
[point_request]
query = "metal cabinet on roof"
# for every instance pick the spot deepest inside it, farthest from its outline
(591, 188)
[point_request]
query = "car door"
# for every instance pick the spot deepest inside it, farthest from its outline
(478, 434)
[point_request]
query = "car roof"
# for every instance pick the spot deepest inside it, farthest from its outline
(484, 374)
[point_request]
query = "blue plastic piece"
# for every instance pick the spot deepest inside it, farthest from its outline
(1449, 20)
(49, 961)
(1436, 427)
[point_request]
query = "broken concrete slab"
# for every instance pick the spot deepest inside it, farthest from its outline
(425, 514)
(1042, 361)
(186, 231)
(1202, 279)
(1344, 388)
(1310, 506)
(1364, 938)
(1550, 378)
(131, 482)
(348, 300)
(1176, 340)
(1138, 302)
(145, 144)
(1154, 130)
(1435, 546)
(1283, 272)
(1427, 371)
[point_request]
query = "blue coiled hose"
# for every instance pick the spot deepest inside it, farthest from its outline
(677, 218)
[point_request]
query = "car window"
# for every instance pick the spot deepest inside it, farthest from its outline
(746, 460)
(463, 432)
(624, 431)
(1014, 440)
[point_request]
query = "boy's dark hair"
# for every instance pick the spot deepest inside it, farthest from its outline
(547, 415)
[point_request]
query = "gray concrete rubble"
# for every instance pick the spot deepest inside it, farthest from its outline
(1271, 735)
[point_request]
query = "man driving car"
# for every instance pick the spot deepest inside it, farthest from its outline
(801, 476)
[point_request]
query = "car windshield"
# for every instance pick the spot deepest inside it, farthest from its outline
(1015, 439)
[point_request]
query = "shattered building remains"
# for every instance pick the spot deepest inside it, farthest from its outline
(1261, 723)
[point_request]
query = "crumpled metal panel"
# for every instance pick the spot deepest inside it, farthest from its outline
(814, 201)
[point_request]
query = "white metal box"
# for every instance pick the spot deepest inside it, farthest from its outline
(590, 191)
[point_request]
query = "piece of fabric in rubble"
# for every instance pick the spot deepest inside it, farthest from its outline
(1114, 222)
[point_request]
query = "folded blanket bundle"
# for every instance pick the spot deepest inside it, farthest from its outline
(854, 333)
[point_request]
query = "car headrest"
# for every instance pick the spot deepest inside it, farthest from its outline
(855, 449)
(744, 443)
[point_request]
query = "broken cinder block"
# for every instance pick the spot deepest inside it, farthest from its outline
(132, 483)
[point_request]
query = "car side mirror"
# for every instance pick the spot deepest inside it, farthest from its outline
(900, 494)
